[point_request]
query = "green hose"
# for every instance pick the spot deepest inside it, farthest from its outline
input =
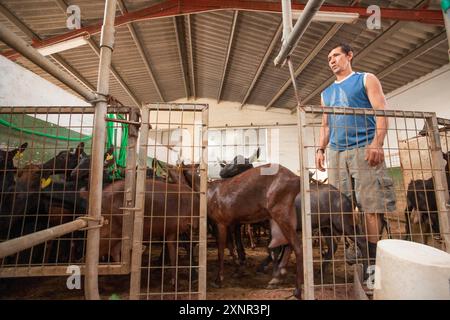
(42, 134)
(111, 140)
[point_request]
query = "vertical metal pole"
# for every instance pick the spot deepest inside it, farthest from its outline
(287, 19)
(130, 188)
(445, 5)
(98, 149)
(203, 206)
(308, 266)
(138, 229)
(440, 180)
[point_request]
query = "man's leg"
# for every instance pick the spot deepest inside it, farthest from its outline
(373, 232)
(375, 194)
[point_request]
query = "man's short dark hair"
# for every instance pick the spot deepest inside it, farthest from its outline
(346, 48)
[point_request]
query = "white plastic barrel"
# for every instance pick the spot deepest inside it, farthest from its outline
(409, 270)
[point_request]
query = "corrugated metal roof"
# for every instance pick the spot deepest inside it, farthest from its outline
(167, 44)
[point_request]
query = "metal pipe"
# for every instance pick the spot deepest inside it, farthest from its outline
(18, 44)
(25, 242)
(98, 149)
(308, 267)
(440, 180)
(300, 27)
(130, 184)
(203, 237)
(287, 19)
(138, 227)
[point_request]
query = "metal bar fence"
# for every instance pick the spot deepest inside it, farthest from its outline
(44, 185)
(169, 237)
(408, 198)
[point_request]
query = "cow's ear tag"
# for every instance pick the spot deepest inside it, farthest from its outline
(45, 182)
(109, 157)
(18, 155)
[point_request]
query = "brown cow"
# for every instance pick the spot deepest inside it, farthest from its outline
(170, 209)
(251, 197)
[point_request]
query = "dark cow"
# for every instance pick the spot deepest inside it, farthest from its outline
(27, 209)
(238, 165)
(332, 216)
(421, 197)
(7, 168)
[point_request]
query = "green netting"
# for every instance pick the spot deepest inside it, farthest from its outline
(44, 139)
(37, 128)
(111, 140)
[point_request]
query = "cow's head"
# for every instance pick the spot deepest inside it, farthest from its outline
(7, 157)
(238, 165)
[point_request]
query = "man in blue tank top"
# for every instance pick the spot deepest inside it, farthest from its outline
(356, 157)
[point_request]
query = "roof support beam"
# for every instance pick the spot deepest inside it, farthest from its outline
(424, 48)
(225, 64)
(170, 8)
(269, 50)
(63, 6)
(179, 36)
(116, 75)
(137, 41)
(394, 28)
(191, 54)
(18, 23)
(333, 30)
(56, 57)
(63, 63)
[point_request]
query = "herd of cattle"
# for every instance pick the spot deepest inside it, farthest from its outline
(33, 199)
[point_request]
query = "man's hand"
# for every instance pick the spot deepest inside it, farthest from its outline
(320, 161)
(374, 154)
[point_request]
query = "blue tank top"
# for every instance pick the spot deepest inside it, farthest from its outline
(349, 131)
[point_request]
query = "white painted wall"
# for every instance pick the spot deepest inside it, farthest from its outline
(21, 87)
(282, 138)
(430, 93)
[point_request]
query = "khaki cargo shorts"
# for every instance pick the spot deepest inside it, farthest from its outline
(352, 175)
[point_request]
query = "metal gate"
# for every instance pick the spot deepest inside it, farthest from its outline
(170, 209)
(416, 145)
(31, 201)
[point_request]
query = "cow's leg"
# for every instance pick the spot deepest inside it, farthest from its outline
(408, 223)
(249, 229)
(239, 246)
(278, 213)
(221, 241)
(280, 261)
(171, 246)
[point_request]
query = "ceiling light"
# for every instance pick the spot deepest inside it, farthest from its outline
(325, 16)
(63, 46)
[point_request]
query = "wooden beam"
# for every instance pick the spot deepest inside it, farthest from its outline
(191, 54)
(170, 8)
(394, 28)
(225, 64)
(181, 46)
(72, 71)
(116, 75)
(275, 39)
(138, 43)
(424, 48)
(56, 57)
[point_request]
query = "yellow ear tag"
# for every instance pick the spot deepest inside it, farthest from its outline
(109, 157)
(18, 155)
(45, 182)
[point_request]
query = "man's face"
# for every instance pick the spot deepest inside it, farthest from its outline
(338, 61)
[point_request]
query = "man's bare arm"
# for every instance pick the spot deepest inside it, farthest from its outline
(378, 102)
